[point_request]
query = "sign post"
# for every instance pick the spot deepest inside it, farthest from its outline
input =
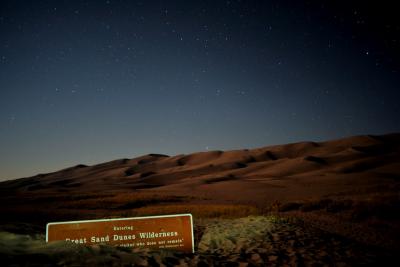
(173, 232)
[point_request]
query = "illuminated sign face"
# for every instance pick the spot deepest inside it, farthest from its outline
(174, 232)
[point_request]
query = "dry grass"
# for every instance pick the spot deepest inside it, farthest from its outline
(143, 204)
(120, 201)
(199, 211)
(380, 207)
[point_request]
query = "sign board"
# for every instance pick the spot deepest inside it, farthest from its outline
(174, 232)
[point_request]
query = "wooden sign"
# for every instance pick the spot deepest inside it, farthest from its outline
(174, 232)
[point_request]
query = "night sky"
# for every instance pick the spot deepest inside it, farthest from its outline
(93, 81)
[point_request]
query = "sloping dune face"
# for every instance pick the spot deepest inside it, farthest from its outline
(347, 167)
(276, 164)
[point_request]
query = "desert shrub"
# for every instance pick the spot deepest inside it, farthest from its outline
(361, 211)
(390, 211)
(337, 205)
(120, 201)
(277, 219)
(150, 201)
(374, 209)
(200, 210)
(274, 206)
(289, 206)
(326, 204)
(316, 205)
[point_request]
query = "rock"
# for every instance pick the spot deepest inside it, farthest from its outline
(232, 264)
(262, 250)
(275, 237)
(96, 248)
(171, 260)
(141, 262)
(202, 263)
(322, 254)
(272, 258)
(182, 263)
(255, 257)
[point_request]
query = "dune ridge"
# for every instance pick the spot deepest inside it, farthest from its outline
(337, 163)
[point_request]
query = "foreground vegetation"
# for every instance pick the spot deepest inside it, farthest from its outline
(246, 241)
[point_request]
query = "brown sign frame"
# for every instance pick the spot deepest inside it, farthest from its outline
(126, 219)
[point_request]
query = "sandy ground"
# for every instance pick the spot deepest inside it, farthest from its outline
(249, 241)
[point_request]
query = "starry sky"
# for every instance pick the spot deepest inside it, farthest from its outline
(92, 81)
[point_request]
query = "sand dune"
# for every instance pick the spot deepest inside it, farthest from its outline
(311, 169)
